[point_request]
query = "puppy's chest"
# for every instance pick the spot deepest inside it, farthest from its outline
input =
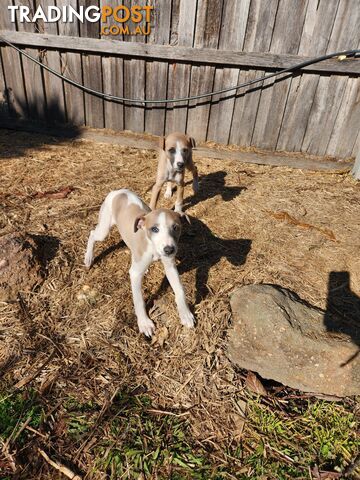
(173, 176)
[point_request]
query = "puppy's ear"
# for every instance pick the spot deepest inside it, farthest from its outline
(139, 223)
(184, 217)
(162, 143)
(192, 142)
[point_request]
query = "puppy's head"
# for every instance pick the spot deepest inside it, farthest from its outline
(163, 228)
(178, 148)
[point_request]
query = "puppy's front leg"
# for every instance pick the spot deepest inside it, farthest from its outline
(179, 196)
(172, 275)
(155, 194)
(136, 272)
(195, 175)
(168, 191)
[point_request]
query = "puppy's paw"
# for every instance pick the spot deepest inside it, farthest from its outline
(187, 318)
(195, 186)
(146, 326)
(88, 260)
(178, 208)
(168, 192)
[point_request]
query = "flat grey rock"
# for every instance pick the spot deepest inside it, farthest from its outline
(280, 337)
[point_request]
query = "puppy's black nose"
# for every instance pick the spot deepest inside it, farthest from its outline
(169, 250)
(180, 165)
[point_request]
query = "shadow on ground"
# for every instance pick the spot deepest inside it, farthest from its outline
(50, 125)
(343, 309)
(211, 185)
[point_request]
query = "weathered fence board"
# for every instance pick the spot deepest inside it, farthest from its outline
(330, 91)
(33, 75)
(13, 77)
(113, 79)
(182, 54)
(347, 122)
(261, 19)
(231, 36)
(72, 68)
(179, 74)
(4, 108)
(196, 47)
(134, 83)
(208, 25)
(286, 38)
(160, 34)
(92, 73)
(319, 18)
(54, 87)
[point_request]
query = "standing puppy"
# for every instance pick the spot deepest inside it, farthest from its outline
(150, 235)
(175, 157)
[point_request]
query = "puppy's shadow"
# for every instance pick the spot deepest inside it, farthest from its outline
(211, 185)
(200, 250)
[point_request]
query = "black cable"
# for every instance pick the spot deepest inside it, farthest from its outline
(114, 98)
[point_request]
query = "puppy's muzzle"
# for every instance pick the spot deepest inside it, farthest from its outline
(169, 250)
(180, 166)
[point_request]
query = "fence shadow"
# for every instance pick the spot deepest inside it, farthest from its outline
(343, 309)
(48, 126)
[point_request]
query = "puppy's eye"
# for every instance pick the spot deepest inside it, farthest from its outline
(154, 229)
(185, 150)
(172, 150)
(175, 227)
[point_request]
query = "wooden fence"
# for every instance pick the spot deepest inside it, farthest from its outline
(196, 46)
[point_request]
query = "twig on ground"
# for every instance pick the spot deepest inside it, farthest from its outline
(32, 376)
(60, 467)
(7, 454)
(164, 412)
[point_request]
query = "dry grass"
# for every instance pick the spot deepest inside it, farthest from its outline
(84, 321)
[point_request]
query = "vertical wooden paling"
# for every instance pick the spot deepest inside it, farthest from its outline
(13, 75)
(208, 24)
(258, 36)
(344, 134)
(113, 77)
(71, 68)
(134, 82)
(183, 26)
(92, 72)
(54, 86)
(286, 39)
(324, 117)
(232, 37)
(33, 73)
(319, 21)
(157, 72)
(4, 108)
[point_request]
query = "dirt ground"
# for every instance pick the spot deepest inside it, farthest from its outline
(76, 335)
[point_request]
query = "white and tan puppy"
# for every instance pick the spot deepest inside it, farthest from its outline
(175, 157)
(150, 235)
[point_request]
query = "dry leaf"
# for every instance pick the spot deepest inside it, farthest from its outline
(254, 384)
(161, 335)
(56, 194)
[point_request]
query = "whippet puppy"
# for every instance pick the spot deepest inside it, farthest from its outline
(150, 235)
(175, 157)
